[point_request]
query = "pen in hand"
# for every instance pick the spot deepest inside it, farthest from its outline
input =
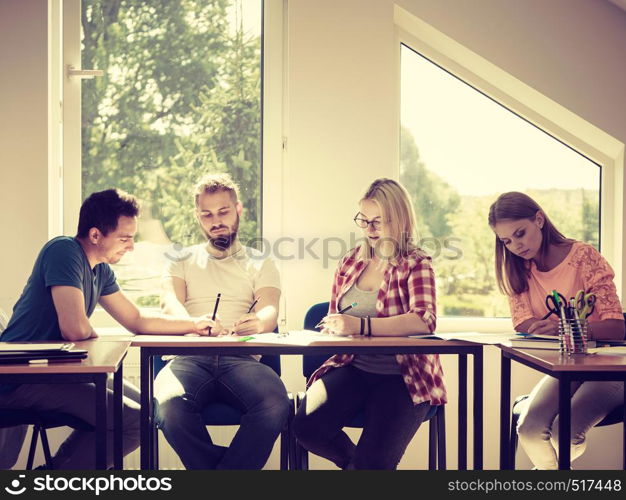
(217, 303)
(347, 308)
(252, 306)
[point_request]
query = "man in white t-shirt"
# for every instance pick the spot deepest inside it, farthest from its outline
(188, 383)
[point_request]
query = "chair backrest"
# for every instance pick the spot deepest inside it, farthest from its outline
(313, 316)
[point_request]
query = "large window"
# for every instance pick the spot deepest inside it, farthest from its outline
(459, 151)
(180, 96)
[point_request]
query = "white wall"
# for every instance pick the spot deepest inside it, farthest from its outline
(342, 132)
(23, 141)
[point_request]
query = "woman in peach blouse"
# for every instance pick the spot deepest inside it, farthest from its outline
(532, 259)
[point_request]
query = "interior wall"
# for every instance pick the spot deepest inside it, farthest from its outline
(23, 141)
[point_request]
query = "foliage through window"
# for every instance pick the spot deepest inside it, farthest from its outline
(459, 151)
(180, 96)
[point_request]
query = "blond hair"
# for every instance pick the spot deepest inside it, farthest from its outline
(212, 183)
(398, 214)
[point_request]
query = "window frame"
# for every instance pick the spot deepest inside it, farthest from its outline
(539, 110)
(67, 182)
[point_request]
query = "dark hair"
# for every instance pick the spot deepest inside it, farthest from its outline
(103, 209)
(511, 270)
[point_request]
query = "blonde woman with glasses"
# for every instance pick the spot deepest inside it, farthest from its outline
(392, 282)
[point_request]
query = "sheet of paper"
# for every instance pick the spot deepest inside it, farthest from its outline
(479, 338)
(613, 351)
(21, 346)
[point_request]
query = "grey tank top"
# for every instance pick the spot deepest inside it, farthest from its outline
(383, 364)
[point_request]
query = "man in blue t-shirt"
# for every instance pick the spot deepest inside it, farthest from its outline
(71, 276)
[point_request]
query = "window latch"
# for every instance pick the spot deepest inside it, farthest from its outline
(72, 72)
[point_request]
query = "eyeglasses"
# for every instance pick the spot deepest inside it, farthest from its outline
(363, 223)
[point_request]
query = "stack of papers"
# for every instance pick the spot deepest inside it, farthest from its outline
(28, 346)
(20, 352)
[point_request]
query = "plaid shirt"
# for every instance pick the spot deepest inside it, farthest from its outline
(408, 286)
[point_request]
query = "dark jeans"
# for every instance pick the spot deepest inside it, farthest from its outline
(391, 419)
(189, 383)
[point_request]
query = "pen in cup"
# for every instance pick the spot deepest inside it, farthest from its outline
(347, 308)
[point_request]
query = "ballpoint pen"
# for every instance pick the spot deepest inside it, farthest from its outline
(217, 303)
(253, 304)
(347, 308)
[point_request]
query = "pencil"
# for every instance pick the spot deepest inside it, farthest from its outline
(217, 303)
(253, 304)
(347, 308)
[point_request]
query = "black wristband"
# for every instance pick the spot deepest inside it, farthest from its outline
(369, 326)
(362, 326)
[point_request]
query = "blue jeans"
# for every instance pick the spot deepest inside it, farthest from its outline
(189, 383)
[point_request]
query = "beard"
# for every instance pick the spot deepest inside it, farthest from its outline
(223, 241)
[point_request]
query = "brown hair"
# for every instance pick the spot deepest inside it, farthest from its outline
(512, 270)
(212, 183)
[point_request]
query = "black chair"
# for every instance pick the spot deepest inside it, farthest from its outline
(41, 421)
(435, 416)
(614, 417)
(219, 414)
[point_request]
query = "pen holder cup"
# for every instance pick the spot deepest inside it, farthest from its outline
(573, 335)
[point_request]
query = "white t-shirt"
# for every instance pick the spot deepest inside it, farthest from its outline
(237, 277)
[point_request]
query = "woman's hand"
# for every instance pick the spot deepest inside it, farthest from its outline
(544, 327)
(341, 324)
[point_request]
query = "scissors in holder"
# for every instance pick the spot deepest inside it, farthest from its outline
(553, 307)
(585, 303)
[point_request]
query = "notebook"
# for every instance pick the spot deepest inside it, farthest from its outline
(541, 342)
(41, 356)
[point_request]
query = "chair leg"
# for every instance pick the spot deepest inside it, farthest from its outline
(284, 447)
(46, 448)
(155, 447)
(33, 447)
(432, 443)
(294, 463)
(441, 437)
(304, 458)
(513, 441)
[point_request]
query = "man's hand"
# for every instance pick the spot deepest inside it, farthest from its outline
(544, 327)
(248, 324)
(207, 327)
(341, 324)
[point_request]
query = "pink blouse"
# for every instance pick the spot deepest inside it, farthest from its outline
(582, 269)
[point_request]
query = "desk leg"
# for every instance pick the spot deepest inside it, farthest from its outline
(462, 459)
(118, 392)
(478, 410)
(565, 426)
(101, 421)
(505, 410)
(146, 409)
